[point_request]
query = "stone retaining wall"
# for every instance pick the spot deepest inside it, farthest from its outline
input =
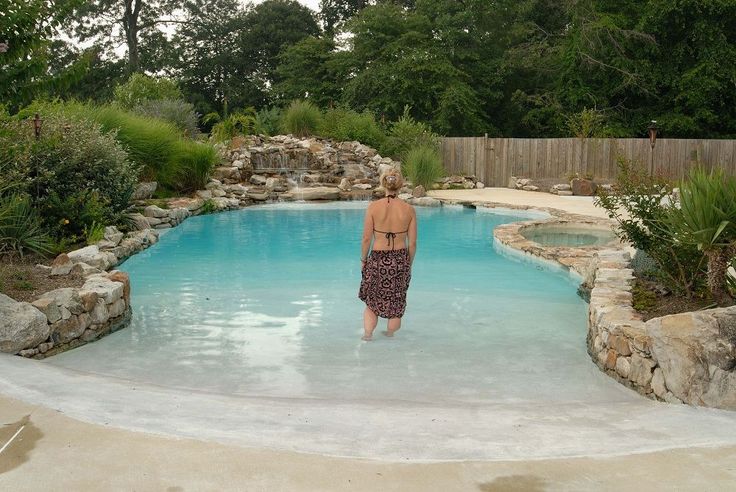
(66, 318)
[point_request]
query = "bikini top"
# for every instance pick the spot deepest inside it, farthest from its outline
(391, 236)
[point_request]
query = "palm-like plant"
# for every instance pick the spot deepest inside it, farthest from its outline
(706, 218)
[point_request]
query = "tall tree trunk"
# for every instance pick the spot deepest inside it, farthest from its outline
(719, 259)
(130, 22)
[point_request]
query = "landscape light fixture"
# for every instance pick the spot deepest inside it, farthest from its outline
(37, 122)
(653, 129)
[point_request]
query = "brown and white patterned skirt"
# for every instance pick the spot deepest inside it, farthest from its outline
(385, 279)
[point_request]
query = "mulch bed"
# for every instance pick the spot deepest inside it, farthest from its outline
(22, 280)
(653, 301)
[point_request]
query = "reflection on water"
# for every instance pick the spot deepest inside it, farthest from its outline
(263, 301)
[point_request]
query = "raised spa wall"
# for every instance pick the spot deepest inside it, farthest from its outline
(682, 358)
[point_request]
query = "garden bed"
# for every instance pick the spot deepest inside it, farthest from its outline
(22, 280)
(653, 301)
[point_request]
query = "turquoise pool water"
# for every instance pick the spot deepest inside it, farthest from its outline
(565, 236)
(263, 301)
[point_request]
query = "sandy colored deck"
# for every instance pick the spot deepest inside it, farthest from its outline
(54, 452)
(582, 205)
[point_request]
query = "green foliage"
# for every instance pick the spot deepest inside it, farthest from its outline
(140, 88)
(176, 163)
(238, 123)
(268, 121)
(643, 298)
(94, 233)
(344, 124)
(191, 166)
(311, 69)
(175, 111)
(301, 119)
(639, 203)
(407, 133)
(73, 166)
(21, 229)
(208, 207)
(26, 30)
(706, 219)
(423, 166)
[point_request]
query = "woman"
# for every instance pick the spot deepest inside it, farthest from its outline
(391, 224)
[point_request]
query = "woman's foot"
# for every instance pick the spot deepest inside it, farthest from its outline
(388, 333)
(367, 338)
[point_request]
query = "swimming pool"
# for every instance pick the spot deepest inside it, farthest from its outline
(262, 302)
(567, 235)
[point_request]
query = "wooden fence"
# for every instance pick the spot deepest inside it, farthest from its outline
(494, 160)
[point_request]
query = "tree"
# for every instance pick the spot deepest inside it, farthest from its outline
(270, 28)
(335, 12)
(310, 69)
(113, 22)
(213, 69)
(27, 29)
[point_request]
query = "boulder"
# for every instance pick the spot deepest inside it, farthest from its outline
(697, 355)
(272, 183)
(345, 184)
(223, 173)
(204, 194)
(145, 190)
(530, 188)
(64, 301)
(92, 256)
(111, 239)
(105, 288)
(154, 211)
(139, 221)
(583, 187)
(62, 265)
(512, 182)
(21, 325)
(70, 328)
(560, 187)
(419, 192)
(317, 193)
(362, 186)
(258, 180)
(479, 185)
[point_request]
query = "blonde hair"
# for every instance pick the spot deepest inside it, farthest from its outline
(396, 181)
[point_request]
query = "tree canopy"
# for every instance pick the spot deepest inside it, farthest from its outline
(502, 67)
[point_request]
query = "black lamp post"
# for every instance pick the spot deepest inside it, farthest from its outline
(37, 122)
(652, 129)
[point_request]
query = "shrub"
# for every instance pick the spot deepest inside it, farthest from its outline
(179, 113)
(238, 123)
(639, 203)
(301, 119)
(192, 164)
(21, 228)
(267, 121)
(423, 166)
(73, 157)
(706, 219)
(140, 88)
(407, 133)
(344, 124)
(175, 162)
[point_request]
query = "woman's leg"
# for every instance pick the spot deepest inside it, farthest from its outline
(369, 323)
(394, 325)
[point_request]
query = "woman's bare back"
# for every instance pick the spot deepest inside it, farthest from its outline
(391, 219)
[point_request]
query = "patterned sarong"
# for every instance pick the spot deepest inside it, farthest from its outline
(385, 279)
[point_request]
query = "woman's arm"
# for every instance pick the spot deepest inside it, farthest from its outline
(367, 235)
(412, 235)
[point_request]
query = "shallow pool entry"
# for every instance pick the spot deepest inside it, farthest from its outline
(263, 302)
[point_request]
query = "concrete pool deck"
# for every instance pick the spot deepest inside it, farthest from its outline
(82, 443)
(582, 205)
